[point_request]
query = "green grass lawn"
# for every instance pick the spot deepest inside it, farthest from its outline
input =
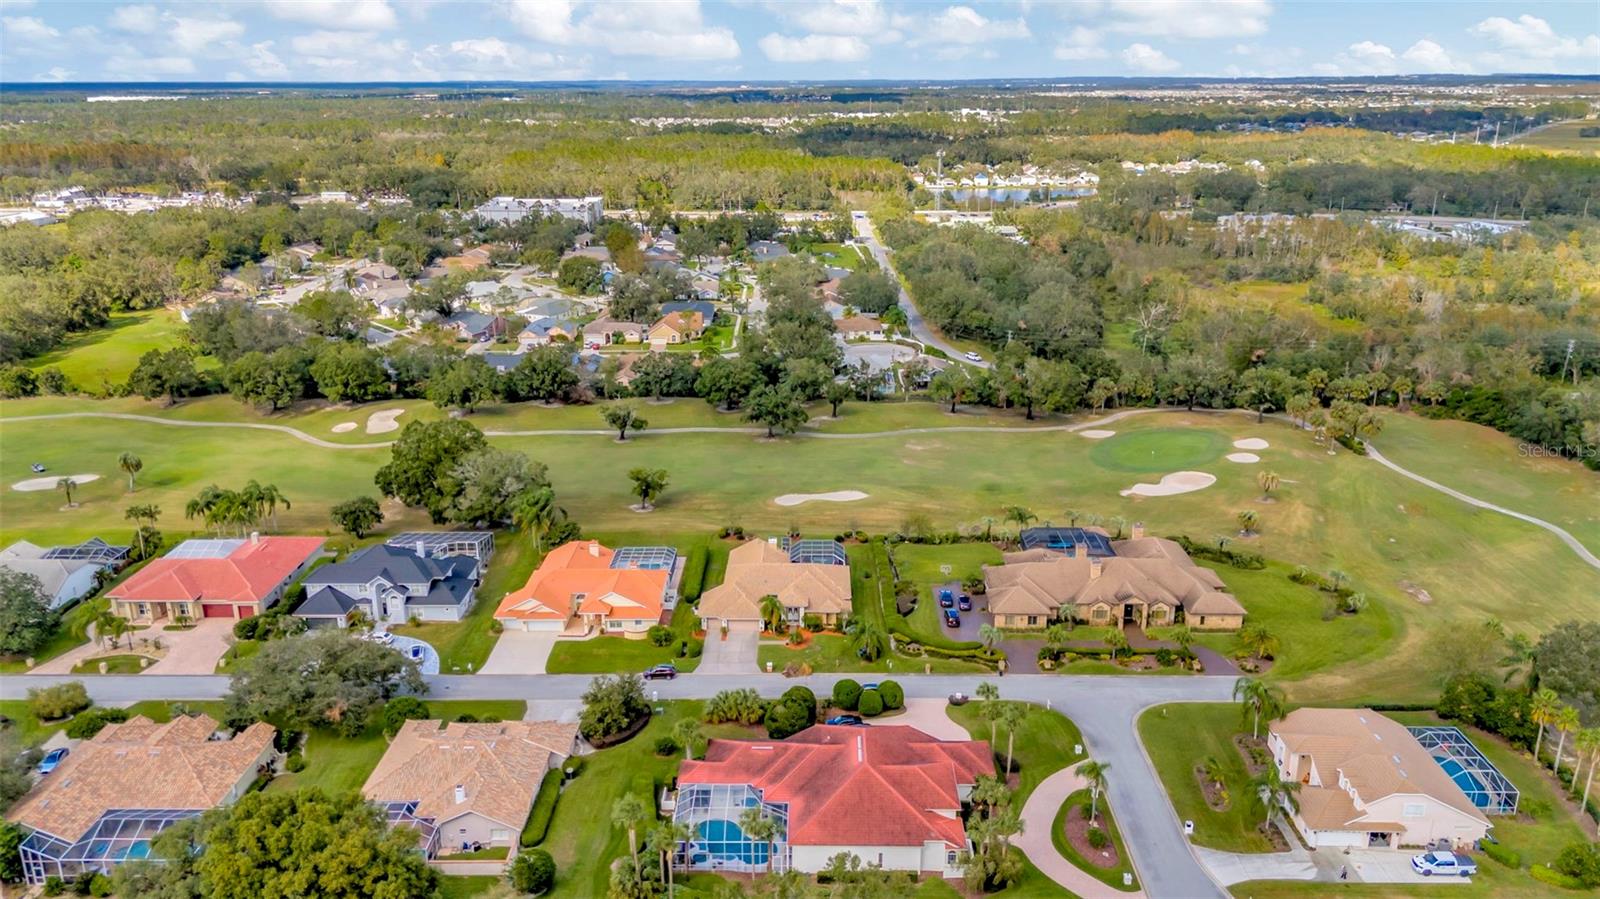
(832, 652)
(95, 360)
(1182, 735)
(605, 655)
(122, 663)
(162, 710)
(1563, 137)
(24, 726)
(68, 635)
(466, 887)
(1388, 533)
(1160, 450)
(464, 645)
(924, 566)
(1111, 875)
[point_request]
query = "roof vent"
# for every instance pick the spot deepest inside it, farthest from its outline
(461, 794)
(861, 747)
(761, 748)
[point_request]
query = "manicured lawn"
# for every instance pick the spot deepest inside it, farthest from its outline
(832, 652)
(242, 649)
(70, 634)
(95, 360)
(924, 566)
(1387, 533)
(604, 655)
(24, 726)
(1043, 746)
(490, 852)
(161, 710)
(1157, 450)
(1108, 875)
(463, 646)
(122, 663)
(1182, 735)
(466, 887)
(871, 583)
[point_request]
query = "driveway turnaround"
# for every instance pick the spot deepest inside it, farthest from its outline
(929, 716)
(736, 654)
(1038, 816)
(1105, 709)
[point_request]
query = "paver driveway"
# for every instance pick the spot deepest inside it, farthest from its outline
(195, 651)
(735, 655)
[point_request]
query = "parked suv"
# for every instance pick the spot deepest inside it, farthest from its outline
(661, 672)
(1443, 863)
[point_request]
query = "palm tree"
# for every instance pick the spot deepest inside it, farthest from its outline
(1588, 743)
(1094, 774)
(267, 498)
(1260, 699)
(664, 839)
(1214, 772)
(116, 627)
(204, 504)
(1183, 635)
(1072, 516)
(1337, 578)
(772, 612)
(687, 732)
(1545, 706)
(67, 485)
(1021, 515)
(1519, 660)
(1012, 715)
(1247, 521)
(1355, 602)
(629, 812)
(989, 792)
(1261, 643)
(1566, 721)
(1273, 792)
(990, 709)
(138, 515)
(102, 626)
(990, 635)
(1268, 481)
(1057, 634)
(535, 511)
(1118, 525)
(1118, 641)
(757, 826)
(131, 465)
(869, 641)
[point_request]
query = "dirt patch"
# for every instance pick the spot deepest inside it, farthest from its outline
(34, 485)
(1254, 752)
(1173, 484)
(1076, 829)
(1416, 592)
(1274, 836)
(1216, 795)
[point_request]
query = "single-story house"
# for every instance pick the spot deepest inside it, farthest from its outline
(471, 783)
(389, 298)
(577, 589)
(373, 275)
(706, 309)
(468, 261)
(503, 362)
(809, 577)
(605, 330)
(118, 789)
(66, 573)
(215, 578)
(890, 795)
(1365, 781)
(391, 585)
(469, 324)
(677, 327)
(767, 250)
(542, 331)
(860, 327)
(1143, 581)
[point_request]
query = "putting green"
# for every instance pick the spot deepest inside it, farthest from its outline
(1159, 449)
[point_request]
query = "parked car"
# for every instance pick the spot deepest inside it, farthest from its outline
(661, 672)
(383, 637)
(871, 686)
(973, 357)
(38, 468)
(964, 603)
(49, 762)
(952, 618)
(1447, 864)
(849, 720)
(946, 599)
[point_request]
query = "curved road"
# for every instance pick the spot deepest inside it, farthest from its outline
(920, 330)
(1105, 709)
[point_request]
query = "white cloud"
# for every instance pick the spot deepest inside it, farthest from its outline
(344, 15)
(866, 19)
(1176, 18)
(195, 35)
(814, 48)
(1530, 42)
(1373, 58)
(961, 25)
(54, 73)
(1425, 55)
(1079, 44)
(264, 62)
(137, 68)
(671, 29)
(1145, 58)
(141, 19)
(1371, 54)
(28, 34)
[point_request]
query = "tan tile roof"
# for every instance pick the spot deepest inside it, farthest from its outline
(858, 324)
(498, 766)
(139, 764)
(759, 569)
(1376, 755)
(1149, 570)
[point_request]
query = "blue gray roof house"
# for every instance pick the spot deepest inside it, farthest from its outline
(704, 307)
(390, 585)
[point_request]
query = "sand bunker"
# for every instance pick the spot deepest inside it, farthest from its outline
(49, 483)
(344, 427)
(384, 422)
(1250, 443)
(837, 496)
(1245, 458)
(1173, 484)
(1098, 435)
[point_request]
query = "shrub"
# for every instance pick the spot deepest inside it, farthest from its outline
(742, 706)
(496, 626)
(1166, 658)
(399, 710)
(100, 885)
(787, 718)
(693, 648)
(466, 718)
(803, 697)
(611, 706)
(246, 628)
(1580, 861)
(1501, 854)
(660, 635)
(812, 623)
(89, 723)
(846, 693)
(1555, 878)
(694, 573)
(892, 695)
(59, 701)
(544, 806)
(871, 704)
(666, 746)
(1098, 839)
(295, 763)
(54, 886)
(533, 871)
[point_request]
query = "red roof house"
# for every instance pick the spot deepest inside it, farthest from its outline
(891, 795)
(215, 578)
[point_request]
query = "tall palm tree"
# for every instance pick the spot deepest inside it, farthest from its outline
(990, 709)
(869, 641)
(757, 826)
(204, 504)
(1273, 792)
(1020, 515)
(687, 732)
(1183, 635)
(1118, 525)
(1072, 516)
(1012, 715)
(1057, 634)
(1566, 721)
(1268, 481)
(629, 812)
(268, 497)
(1260, 699)
(772, 612)
(535, 511)
(1118, 642)
(1588, 743)
(664, 840)
(1545, 705)
(1094, 774)
(990, 635)
(67, 485)
(131, 465)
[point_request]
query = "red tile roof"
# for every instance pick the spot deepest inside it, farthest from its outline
(248, 574)
(879, 786)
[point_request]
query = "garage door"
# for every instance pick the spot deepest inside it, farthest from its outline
(246, 612)
(216, 610)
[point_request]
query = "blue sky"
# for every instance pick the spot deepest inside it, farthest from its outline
(376, 40)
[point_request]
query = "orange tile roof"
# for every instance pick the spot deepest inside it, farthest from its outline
(249, 574)
(583, 568)
(139, 764)
(884, 786)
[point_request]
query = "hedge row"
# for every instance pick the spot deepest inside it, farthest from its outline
(1501, 854)
(983, 655)
(1248, 561)
(929, 641)
(544, 808)
(1555, 878)
(694, 574)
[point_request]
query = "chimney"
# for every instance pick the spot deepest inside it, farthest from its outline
(461, 794)
(1095, 564)
(594, 548)
(255, 536)
(1138, 530)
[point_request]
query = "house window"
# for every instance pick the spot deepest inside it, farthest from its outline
(950, 859)
(1100, 614)
(499, 834)
(1033, 620)
(141, 610)
(1414, 810)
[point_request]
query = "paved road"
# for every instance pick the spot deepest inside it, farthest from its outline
(919, 328)
(1104, 708)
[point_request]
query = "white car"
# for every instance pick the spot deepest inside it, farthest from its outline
(1447, 864)
(973, 357)
(383, 637)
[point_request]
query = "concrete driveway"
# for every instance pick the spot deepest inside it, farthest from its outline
(928, 716)
(520, 652)
(195, 651)
(735, 655)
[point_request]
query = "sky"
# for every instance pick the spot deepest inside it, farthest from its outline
(759, 40)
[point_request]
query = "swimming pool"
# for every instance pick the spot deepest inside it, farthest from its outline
(721, 839)
(1469, 785)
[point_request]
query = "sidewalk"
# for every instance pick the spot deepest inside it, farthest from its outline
(1037, 816)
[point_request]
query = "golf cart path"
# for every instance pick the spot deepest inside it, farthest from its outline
(1038, 817)
(1572, 542)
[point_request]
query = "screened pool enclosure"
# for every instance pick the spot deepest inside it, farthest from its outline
(1473, 773)
(711, 812)
(119, 835)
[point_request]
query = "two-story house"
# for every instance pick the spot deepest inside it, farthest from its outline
(391, 585)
